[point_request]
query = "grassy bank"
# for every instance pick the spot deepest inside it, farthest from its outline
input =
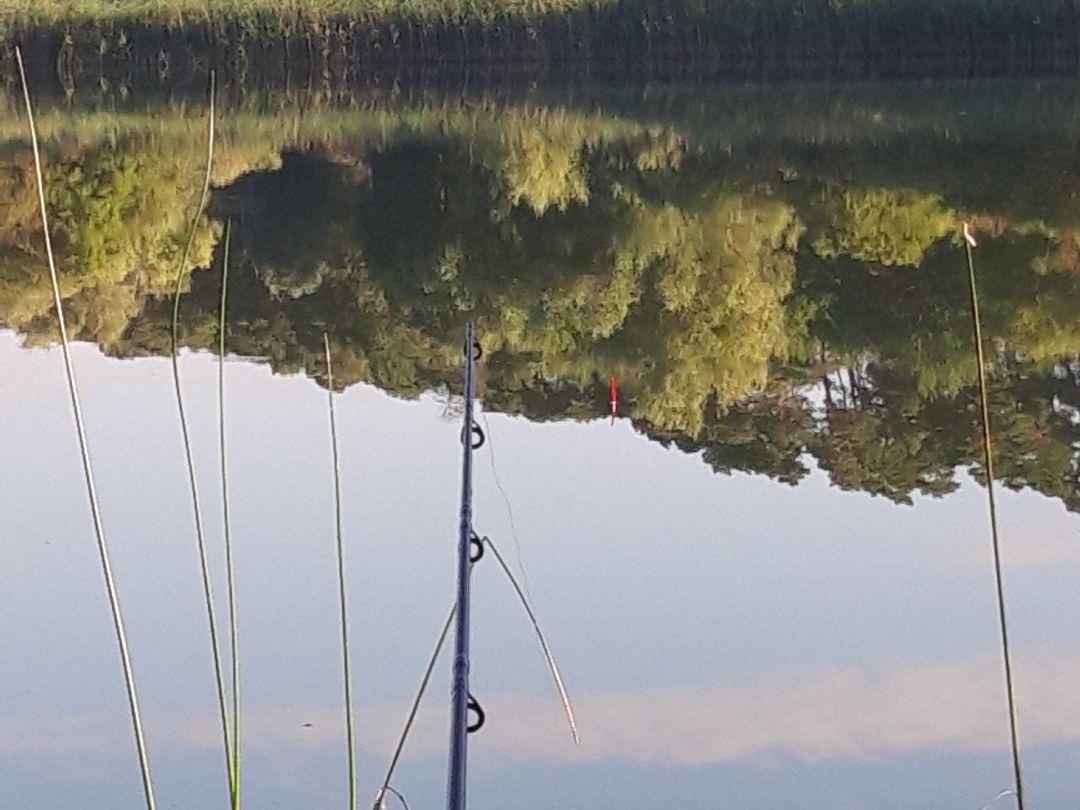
(287, 13)
(664, 37)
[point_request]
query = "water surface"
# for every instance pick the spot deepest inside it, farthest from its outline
(768, 580)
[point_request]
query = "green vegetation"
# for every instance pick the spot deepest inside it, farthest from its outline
(177, 12)
(761, 298)
(670, 37)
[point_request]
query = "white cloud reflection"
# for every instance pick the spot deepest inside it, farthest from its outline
(848, 714)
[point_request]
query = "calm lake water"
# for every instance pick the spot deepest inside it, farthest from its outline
(768, 581)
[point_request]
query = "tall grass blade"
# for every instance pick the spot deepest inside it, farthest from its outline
(84, 450)
(230, 569)
(385, 788)
(552, 666)
(988, 461)
(349, 726)
(200, 536)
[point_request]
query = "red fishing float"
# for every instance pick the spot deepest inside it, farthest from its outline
(614, 400)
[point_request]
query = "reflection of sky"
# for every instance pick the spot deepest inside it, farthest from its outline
(728, 641)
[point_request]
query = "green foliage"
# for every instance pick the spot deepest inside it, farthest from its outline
(584, 246)
(117, 216)
(89, 207)
(721, 284)
(886, 226)
(897, 35)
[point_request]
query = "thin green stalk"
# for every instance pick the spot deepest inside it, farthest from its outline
(84, 450)
(229, 565)
(349, 726)
(988, 461)
(200, 537)
(385, 787)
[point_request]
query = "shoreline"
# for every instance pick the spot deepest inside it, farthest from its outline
(633, 39)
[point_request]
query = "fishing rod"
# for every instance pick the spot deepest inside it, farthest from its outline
(470, 549)
(549, 657)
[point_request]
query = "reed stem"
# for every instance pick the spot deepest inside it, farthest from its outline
(349, 725)
(84, 451)
(988, 461)
(200, 535)
(230, 569)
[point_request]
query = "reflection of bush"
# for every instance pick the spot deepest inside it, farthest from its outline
(584, 247)
(119, 217)
(890, 227)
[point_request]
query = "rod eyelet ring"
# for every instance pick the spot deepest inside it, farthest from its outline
(476, 548)
(474, 706)
(477, 434)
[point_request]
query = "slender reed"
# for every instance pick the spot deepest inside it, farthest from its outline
(385, 787)
(349, 726)
(84, 450)
(988, 461)
(552, 666)
(230, 568)
(200, 536)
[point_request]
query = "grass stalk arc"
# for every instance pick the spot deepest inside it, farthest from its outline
(230, 567)
(200, 534)
(988, 461)
(350, 732)
(84, 451)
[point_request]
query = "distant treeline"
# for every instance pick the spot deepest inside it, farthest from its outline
(660, 38)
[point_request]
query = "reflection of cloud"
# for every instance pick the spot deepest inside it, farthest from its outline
(1021, 549)
(50, 735)
(845, 714)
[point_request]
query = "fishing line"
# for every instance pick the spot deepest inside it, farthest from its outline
(413, 711)
(349, 732)
(84, 451)
(552, 666)
(997, 798)
(526, 596)
(506, 501)
(200, 536)
(988, 461)
(400, 797)
(415, 707)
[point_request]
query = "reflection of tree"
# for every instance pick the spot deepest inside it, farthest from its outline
(878, 438)
(767, 433)
(762, 322)
(880, 225)
(119, 224)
